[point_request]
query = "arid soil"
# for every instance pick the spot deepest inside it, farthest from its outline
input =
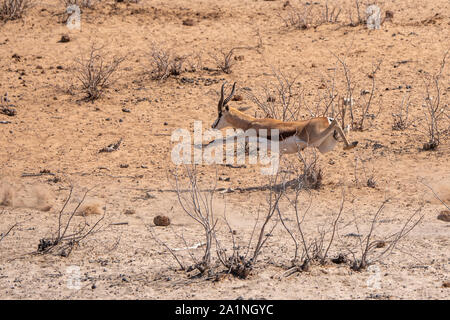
(53, 143)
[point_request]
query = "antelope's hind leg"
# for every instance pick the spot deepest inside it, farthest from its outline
(328, 144)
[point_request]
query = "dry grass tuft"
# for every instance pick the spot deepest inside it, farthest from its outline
(90, 209)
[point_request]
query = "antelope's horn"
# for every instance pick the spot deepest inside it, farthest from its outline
(230, 96)
(219, 107)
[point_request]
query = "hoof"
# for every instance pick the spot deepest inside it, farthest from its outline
(351, 146)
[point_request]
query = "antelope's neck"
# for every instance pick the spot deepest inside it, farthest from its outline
(239, 120)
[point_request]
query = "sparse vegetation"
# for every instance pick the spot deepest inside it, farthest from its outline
(68, 236)
(14, 9)
(401, 119)
(224, 59)
(280, 99)
(199, 205)
(321, 228)
(95, 74)
(165, 63)
(88, 4)
(365, 253)
(436, 111)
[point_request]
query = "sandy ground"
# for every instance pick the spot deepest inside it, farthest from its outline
(57, 131)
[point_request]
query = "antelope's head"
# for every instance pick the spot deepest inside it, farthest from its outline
(223, 110)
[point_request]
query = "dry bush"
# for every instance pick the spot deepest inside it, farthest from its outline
(361, 170)
(401, 118)
(68, 236)
(241, 264)
(357, 11)
(14, 9)
(95, 74)
(436, 111)
(298, 16)
(199, 205)
(195, 62)
(311, 174)
(279, 99)
(358, 108)
(309, 248)
(88, 4)
(304, 15)
(365, 253)
(165, 63)
(224, 59)
(316, 247)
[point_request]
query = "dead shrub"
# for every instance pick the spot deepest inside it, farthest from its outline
(14, 9)
(358, 108)
(199, 205)
(305, 15)
(436, 110)
(401, 117)
(95, 74)
(67, 235)
(280, 99)
(311, 175)
(224, 59)
(165, 63)
(88, 4)
(365, 252)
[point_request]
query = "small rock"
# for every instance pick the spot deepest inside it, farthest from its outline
(188, 22)
(64, 38)
(444, 216)
(161, 221)
(237, 97)
(129, 211)
(126, 110)
(446, 284)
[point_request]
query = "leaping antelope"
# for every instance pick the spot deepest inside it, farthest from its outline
(320, 132)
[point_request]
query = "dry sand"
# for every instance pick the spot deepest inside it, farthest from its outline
(56, 131)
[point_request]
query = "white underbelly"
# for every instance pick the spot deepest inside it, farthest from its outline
(292, 145)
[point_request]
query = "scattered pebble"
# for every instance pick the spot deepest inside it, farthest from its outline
(64, 38)
(444, 216)
(161, 221)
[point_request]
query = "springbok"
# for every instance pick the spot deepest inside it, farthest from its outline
(319, 132)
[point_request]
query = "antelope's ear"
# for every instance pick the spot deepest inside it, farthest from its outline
(242, 109)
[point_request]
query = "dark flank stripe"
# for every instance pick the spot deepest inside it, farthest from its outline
(282, 134)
